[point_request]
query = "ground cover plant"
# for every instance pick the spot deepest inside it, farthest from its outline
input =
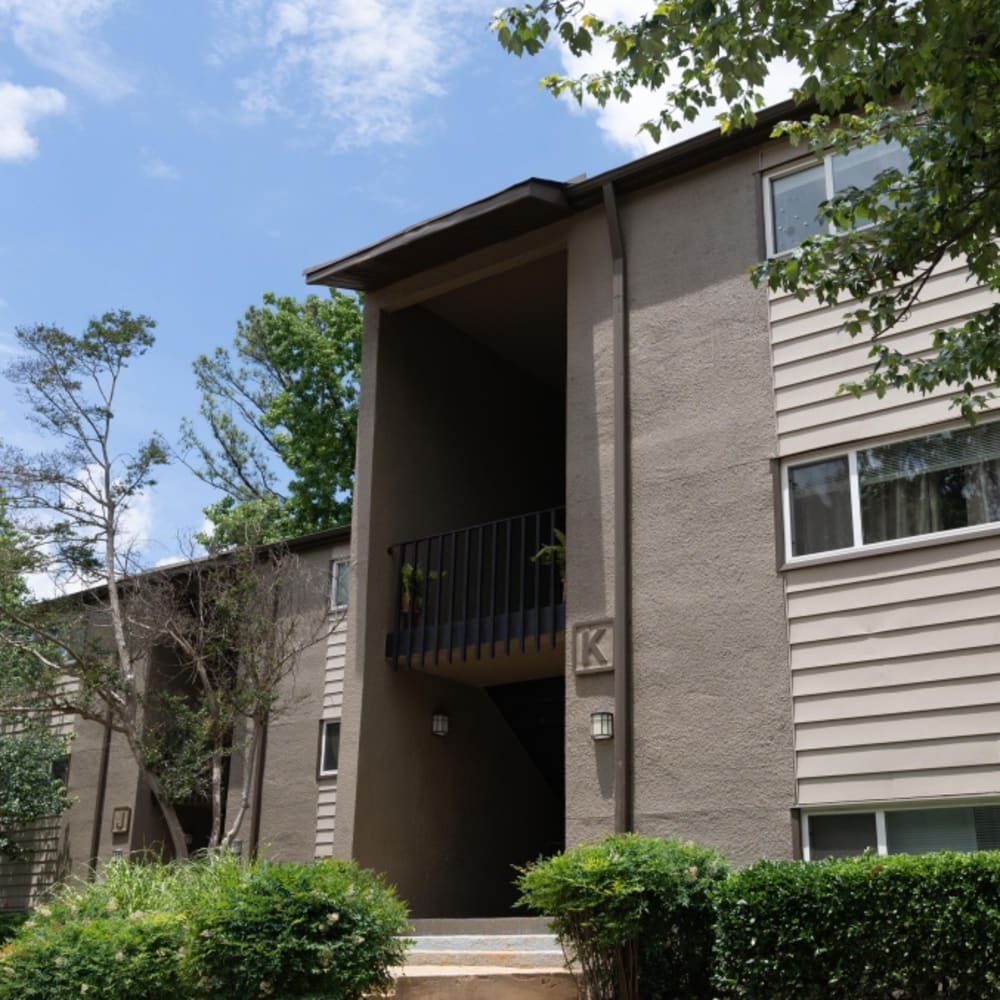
(634, 913)
(214, 928)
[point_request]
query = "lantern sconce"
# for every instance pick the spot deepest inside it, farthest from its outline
(602, 725)
(439, 724)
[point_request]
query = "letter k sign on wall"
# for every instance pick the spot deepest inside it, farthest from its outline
(593, 645)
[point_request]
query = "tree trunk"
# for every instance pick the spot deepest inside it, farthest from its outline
(174, 828)
(215, 837)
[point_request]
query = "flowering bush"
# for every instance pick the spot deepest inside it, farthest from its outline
(211, 929)
(635, 913)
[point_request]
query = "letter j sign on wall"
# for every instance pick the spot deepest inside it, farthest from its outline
(593, 645)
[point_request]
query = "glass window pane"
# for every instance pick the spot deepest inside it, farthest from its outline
(795, 200)
(820, 503)
(331, 747)
(340, 582)
(930, 484)
(841, 836)
(919, 831)
(987, 820)
(861, 166)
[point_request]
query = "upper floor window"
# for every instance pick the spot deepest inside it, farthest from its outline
(329, 747)
(340, 578)
(941, 482)
(794, 196)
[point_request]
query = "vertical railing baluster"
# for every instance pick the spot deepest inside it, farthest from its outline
(438, 598)
(451, 594)
(538, 582)
(493, 589)
(554, 565)
(479, 594)
(508, 526)
(411, 607)
(523, 576)
(465, 593)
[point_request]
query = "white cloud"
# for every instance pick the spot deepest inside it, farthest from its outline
(155, 168)
(620, 122)
(362, 69)
(58, 35)
(20, 108)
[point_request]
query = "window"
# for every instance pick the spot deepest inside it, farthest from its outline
(902, 831)
(794, 196)
(329, 746)
(904, 489)
(340, 578)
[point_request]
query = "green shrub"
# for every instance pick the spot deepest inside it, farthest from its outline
(117, 958)
(328, 928)
(10, 921)
(870, 928)
(634, 912)
(213, 928)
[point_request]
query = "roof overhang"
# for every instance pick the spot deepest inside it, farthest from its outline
(530, 205)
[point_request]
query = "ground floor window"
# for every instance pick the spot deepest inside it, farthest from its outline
(901, 831)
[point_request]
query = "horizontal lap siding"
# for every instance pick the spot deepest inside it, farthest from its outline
(895, 664)
(23, 883)
(333, 700)
(812, 357)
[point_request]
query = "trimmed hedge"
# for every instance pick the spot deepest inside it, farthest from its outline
(211, 929)
(870, 928)
(634, 912)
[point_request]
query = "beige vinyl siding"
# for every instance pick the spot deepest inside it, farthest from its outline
(895, 664)
(23, 883)
(812, 357)
(333, 701)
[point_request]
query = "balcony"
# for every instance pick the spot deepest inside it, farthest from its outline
(478, 593)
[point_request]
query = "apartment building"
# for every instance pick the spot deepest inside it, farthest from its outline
(773, 625)
(113, 813)
(778, 631)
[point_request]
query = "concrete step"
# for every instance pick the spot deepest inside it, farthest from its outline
(503, 958)
(519, 951)
(483, 983)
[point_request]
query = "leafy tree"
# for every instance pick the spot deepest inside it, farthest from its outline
(232, 625)
(282, 401)
(29, 749)
(922, 72)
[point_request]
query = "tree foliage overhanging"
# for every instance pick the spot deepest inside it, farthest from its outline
(925, 73)
(284, 400)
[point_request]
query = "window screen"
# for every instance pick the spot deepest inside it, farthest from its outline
(930, 484)
(820, 502)
(330, 748)
(919, 831)
(340, 579)
(795, 201)
(841, 836)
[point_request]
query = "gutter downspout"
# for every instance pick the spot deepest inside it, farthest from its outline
(624, 820)
(102, 789)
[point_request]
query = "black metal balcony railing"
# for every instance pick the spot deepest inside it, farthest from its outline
(477, 590)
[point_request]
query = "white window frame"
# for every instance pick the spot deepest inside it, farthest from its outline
(336, 567)
(860, 547)
(880, 813)
(323, 729)
(784, 171)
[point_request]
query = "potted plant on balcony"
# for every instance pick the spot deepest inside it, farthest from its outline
(554, 554)
(412, 590)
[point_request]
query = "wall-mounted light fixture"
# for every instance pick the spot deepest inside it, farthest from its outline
(602, 725)
(439, 724)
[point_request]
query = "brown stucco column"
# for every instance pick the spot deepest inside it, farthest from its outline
(622, 523)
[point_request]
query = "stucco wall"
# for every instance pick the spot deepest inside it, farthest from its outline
(450, 435)
(713, 754)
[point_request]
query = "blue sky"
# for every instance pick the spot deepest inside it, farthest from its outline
(180, 159)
